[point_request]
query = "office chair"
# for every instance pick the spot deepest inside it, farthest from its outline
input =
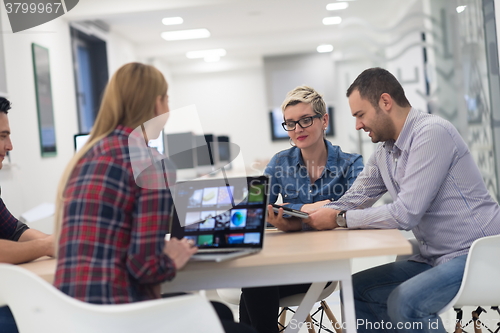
(232, 296)
(38, 307)
(479, 286)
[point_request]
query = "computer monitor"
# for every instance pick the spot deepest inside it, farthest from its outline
(79, 140)
(158, 143)
(180, 151)
(224, 146)
(206, 154)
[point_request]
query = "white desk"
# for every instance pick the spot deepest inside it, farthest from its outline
(291, 258)
(287, 258)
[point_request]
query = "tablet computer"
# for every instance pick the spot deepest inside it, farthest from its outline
(290, 211)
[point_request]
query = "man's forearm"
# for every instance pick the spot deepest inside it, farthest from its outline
(31, 234)
(18, 252)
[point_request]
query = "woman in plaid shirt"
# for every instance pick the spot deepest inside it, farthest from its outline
(111, 226)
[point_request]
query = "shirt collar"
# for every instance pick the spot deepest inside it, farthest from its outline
(403, 142)
(331, 160)
(123, 130)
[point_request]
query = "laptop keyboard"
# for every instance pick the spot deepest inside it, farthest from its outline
(217, 251)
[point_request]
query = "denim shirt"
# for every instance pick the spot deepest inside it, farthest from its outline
(289, 177)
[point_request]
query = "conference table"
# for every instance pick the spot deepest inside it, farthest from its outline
(287, 258)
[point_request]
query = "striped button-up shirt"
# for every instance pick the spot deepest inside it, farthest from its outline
(113, 232)
(436, 187)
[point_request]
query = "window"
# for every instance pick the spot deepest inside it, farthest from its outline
(90, 64)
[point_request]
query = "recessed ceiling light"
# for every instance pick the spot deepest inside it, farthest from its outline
(172, 20)
(206, 53)
(212, 58)
(460, 9)
(324, 48)
(185, 34)
(337, 6)
(332, 20)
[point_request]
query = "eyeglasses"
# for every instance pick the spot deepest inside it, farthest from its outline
(303, 122)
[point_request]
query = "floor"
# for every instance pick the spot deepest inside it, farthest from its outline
(490, 318)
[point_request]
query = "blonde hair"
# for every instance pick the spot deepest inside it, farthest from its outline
(129, 100)
(305, 94)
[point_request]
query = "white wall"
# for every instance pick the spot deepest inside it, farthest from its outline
(31, 179)
(230, 103)
(234, 103)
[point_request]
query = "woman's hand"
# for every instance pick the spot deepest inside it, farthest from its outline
(309, 208)
(290, 224)
(180, 251)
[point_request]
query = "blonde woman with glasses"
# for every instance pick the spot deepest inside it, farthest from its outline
(307, 176)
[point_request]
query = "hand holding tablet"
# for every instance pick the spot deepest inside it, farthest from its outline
(290, 211)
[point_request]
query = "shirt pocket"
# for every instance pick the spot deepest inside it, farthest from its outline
(290, 196)
(400, 168)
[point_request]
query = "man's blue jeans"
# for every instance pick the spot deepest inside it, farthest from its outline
(405, 296)
(7, 322)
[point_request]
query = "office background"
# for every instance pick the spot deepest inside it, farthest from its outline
(446, 60)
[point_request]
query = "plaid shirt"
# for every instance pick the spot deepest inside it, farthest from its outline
(113, 232)
(8, 223)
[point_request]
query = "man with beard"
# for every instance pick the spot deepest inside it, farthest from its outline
(438, 193)
(18, 243)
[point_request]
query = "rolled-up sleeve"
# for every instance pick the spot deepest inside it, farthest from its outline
(8, 223)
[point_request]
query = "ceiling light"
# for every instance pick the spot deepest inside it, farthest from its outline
(337, 6)
(172, 20)
(206, 53)
(332, 20)
(212, 58)
(185, 34)
(460, 9)
(324, 48)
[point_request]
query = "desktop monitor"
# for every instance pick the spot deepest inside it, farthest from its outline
(180, 151)
(158, 143)
(79, 140)
(206, 154)
(224, 147)
(205, 150)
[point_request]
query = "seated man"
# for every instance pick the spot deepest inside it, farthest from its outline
(18, 243)
(438, 193)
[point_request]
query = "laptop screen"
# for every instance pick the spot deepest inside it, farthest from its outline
(221, 213)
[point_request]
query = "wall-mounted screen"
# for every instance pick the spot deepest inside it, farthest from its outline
(43, 89)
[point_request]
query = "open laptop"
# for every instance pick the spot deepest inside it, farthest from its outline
(225, 217)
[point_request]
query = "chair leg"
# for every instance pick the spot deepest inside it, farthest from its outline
(475, 318)
(333, 320)
(458, 323)
(310, 325)
(282, 319)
